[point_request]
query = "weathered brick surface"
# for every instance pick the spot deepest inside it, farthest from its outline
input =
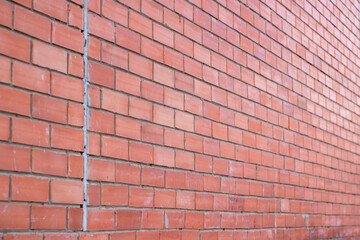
(208, 119)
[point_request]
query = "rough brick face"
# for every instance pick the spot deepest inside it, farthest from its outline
(205, 119)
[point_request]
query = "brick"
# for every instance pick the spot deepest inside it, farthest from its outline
(112, 195)
(127, 127)
(139, 108)
(126, 173)
(184, 121)
(23, 236)
(56, 9)
(153, 177)
(49, 109)
(14, 158)
(184, 160)
(192, 31)
(140, 24)
(140, 197)
(5, 70)
(152, 91)
(114, 102)
(140, 152)
(101, 170)
(152, 219)
(102, 122)
(101, 27)
(14, 45)
(5, 128)
(147, 235)
(115, 12)
(135, 61)
(63, 191)
(174, 98)
(39, 26)
(30, 132)
(75, 16)
(44, 217)
(123, 235)
(193, 143)
(164, 198)
(95, 236)
(101, 219)
(152, 9)
(163, 35)
(67, 138)
(14, 101)
(75, 65)
(6, 14)
(185, 200)
(30, 189)
(4, 188)
(14, 216)
(184, 8)
(75, 114)
(173, 59)
(75, 166)
(49, 56)
(135, 4)
(50, 163)
(66, 87)
(173, 20)
(67, 37)
(128, 219)
(114, 56)
(163, 115)
(127, 83)
(194, 220)
(163, 156)
(127, 39)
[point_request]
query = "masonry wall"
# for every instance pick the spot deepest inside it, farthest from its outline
(203, 119)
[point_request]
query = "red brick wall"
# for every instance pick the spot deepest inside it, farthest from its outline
(204, 119)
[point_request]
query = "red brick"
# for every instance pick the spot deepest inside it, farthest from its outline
(140, 24)
(66, 87)
(75, 114)
(23, 237)
(192, 31)
(185, 200)
(14, 45)
(102, 122)
(63, 191)
(193, 143)
(44, 217)
(135, 4)
(39, 26)
(152, 9)
(174, 98)
(14, 158)
(114, 147)
(30, 189)
(151, 49)
(101, 170)
(173, 59)
(6, 14)
(112, 195)
(115, 11)
(194, 220)
(127, 39)
(101, 27)
(141, 197)
(114, 102)
(30, 132)
(67, 37)
(126, 173)
(100, 219)
(204, 201)
(50, 163)
(48, 56)
(67, 138)
(163, 115)
(75, 16)
(184, 121)
(152, 177)
(184, 8)
(164, 198)
(203, 163)
(135, 61)
(56, 9)
(54, 236)
(14, 101)
(128, 219)
(75, 65)
(14, 216)
(94, 48)
(5, 70)
(144, 235)
(140, 152)
(174, 219)
(50, 109)
(163, 156)
(173, 20)
(114, 56)
(75, 166)
(184, 160)
(127, 127)
(123, 235)
(152, 219)
(139, 108)
(93, 236)
(152, 91)
(163, 35)
(127, 83)
(4, 187)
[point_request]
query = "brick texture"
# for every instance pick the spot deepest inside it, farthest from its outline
(208, 119)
